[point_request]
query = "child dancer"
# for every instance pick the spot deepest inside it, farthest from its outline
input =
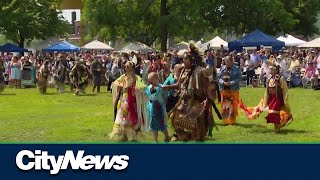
(156, 107)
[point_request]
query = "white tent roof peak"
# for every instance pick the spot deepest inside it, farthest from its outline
(97, 45)
(290, 40)
(215, 43)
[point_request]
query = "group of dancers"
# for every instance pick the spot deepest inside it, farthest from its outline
(187, 99)
(79, 76)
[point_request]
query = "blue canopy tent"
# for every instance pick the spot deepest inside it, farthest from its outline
(254, 39)
(63, 46)
(12, 48)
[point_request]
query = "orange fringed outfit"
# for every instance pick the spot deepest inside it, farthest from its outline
(229, 106)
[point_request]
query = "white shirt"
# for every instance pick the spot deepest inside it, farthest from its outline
(249, 64)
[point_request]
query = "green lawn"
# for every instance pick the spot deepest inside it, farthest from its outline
(28, 117)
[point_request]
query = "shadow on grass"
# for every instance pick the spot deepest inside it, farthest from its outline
(50, 94)
(87, 94)
(245, 125)
(292, 131)
(282, 131)
(250, 125)
(7, 94)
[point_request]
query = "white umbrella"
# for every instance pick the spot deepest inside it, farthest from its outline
(291, 40)
(313, 43)
(97, 45)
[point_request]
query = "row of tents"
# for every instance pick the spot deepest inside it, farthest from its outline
(253, 39)
(65, 46)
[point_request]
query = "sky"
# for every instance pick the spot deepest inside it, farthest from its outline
(67, 14)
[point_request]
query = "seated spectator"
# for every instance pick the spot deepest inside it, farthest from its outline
(308, 75)
(315, 81)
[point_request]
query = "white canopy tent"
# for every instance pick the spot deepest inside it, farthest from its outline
(97, 45)
(215, 43)
(137, 47)
(180, 46)
(291, 41)
(314, 43)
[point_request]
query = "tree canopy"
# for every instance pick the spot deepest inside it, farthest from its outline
(148, 20)
(23, 21)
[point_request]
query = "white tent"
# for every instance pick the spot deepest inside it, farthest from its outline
(215, 43)
(180, 46)
(97, 45)
(290, 40)
(136, 46)
(313, 43)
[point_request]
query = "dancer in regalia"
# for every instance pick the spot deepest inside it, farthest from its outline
(129, 105)
(156, 107)
(79, 76)
(192, 116)
(229, 84)
(275, 100)
(43, 76)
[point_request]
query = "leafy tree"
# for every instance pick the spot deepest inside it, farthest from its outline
(243, 16)
(306, 12)
(148, 20)
(23, 21)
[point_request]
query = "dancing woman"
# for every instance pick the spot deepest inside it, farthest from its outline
(130, 113)
(276, 98)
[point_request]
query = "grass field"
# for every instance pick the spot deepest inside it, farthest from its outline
(28, 117)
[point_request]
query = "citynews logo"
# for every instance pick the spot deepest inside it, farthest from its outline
(40, 160)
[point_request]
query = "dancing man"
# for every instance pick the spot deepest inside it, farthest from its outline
(60, 73)
(79, 76)
(43, 75)
(192, 116)
(229, 84)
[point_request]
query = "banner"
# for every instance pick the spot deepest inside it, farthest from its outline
(163, 161)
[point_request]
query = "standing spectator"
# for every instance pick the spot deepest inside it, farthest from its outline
(15, 72)
(96, 68)
(138, 66)
(249, 64)
(146, 63)
(117, 70)
(2, 70)
(175, 59)
(210, 61)
(255, 57)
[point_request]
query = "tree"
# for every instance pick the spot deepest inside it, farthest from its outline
(243, 16)
(306, 12)
(38, 19)
(142, 20)
(148, 20)
(134, 20)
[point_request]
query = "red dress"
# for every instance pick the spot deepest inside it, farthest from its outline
(275, 100)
